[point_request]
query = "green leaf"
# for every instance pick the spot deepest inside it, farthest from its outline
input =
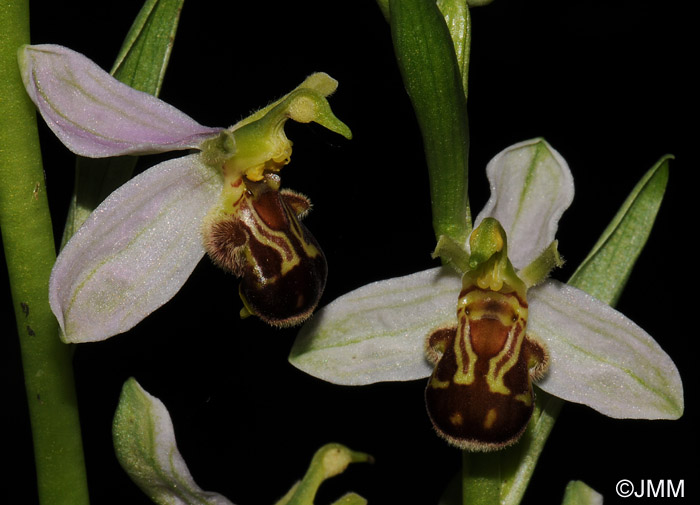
(605, 271)
(459, 23)
(578, 493)
(431, 74)
(384, 7)
(145, 53)
(141, 64)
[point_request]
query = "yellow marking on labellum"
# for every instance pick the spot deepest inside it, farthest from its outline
(437, 383)
(464, 352)
(261, 240)
(484, 369)
(525, 398)
(490, 419)
(484, 366)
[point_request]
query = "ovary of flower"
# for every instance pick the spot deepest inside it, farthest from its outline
(141, 244)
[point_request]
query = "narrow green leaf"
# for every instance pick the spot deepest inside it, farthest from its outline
(426, 57)
(145, 53)
(141, 64)
(459, 23)
(578, 493)
(605, 271)
(384, 7)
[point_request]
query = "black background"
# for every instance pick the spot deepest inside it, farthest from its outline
(608, 84)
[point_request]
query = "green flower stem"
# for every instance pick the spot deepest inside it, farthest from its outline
(501, 477)
(425, 52)
(30, 253)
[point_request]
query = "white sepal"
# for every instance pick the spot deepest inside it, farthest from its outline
(600, 358)
(531, 187)
(377, 332)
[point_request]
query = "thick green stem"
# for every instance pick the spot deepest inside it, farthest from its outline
(30, 253)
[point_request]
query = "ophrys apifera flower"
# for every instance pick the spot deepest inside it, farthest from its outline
(141, 244)
(484, 330)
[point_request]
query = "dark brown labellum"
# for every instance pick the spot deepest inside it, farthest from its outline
(480, 395)
(282, 268)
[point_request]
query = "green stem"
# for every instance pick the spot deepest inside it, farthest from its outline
(501, 477)
(30, 253)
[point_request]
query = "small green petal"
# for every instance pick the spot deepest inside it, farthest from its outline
(261, 143)
(538, 270)
(452, 253)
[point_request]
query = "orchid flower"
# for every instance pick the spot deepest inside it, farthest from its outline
(141, 244)
(145, 445)
(510, 320)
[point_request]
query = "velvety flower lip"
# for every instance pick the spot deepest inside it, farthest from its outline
(140, 245)
(598, 357)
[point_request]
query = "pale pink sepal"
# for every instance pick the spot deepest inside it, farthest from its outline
(135, 250)
(95, 115)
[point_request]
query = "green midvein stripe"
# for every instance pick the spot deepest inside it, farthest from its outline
(528, 176)
(669, 399)
(344, 321)
(602, 322)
